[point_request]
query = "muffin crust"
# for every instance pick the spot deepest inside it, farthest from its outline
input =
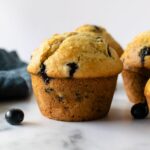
(89, 53)
(100, 31)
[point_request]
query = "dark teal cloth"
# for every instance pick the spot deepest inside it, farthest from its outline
(15, 82)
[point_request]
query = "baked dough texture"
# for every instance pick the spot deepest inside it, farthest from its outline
(74, 99)
(100, 31)
(91, 54)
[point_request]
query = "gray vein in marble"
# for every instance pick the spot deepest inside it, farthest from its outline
(74, 140)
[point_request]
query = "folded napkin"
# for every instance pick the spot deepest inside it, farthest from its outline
(14, 80)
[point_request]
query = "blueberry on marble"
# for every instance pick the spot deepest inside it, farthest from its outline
(72, 68)
(15, 82)
(140, 110)
(145, 51)
(14, 116)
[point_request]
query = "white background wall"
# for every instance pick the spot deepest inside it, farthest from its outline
(24, 24)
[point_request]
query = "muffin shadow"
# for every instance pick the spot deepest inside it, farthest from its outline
(118, 114)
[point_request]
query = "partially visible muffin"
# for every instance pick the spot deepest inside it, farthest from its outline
(147, 92)
(136, 65)
(100, 31)
(74, 76)
(136, 71)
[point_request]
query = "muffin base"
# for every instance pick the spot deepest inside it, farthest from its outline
(74, 99)
(134, 83)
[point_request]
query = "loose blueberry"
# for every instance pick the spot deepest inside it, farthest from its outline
(139, 111)
(14, 116)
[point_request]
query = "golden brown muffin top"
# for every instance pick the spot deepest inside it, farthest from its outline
(100, 31)
(137, 53)
(78, 55)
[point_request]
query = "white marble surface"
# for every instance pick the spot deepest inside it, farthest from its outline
(118, 131)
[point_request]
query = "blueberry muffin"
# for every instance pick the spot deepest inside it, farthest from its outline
(136, 68)
(74, 76)
(100, 31)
